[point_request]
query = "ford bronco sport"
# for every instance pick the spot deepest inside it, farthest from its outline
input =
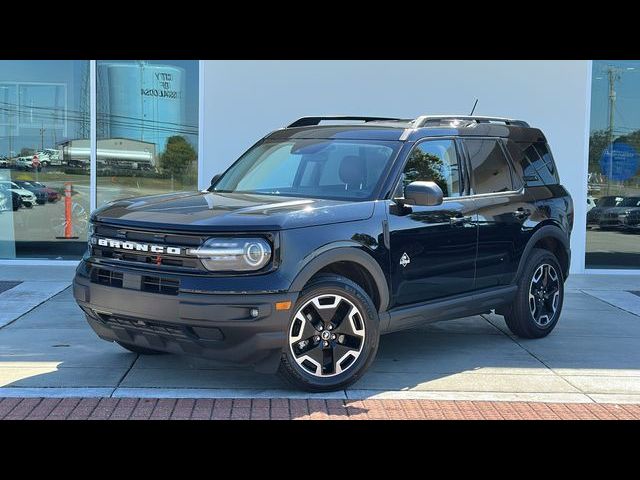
(330, 232)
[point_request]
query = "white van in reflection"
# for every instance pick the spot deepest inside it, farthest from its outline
(112, 154)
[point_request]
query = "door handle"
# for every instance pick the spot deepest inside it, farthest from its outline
(459, 220)
(521, 213)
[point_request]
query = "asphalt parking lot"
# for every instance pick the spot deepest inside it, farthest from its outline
(47, 349)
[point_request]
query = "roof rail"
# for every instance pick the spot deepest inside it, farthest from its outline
(308, 121)
(423, 120)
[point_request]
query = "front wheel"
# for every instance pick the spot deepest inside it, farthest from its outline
(538, 303)
(332, 337)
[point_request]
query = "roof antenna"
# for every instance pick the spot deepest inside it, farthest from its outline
(474, 107)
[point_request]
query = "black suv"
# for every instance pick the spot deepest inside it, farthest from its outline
(323, 236)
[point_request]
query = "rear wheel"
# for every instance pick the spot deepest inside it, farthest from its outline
(538, 303)
(332, 337)
(140, 350)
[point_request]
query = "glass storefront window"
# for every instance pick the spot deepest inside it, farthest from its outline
(147, 128)
(44, 202)
(613, 203)
(146, 134)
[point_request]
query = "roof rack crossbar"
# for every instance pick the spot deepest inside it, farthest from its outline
(422, 120)
(309, 121)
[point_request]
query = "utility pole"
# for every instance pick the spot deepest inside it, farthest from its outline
(42, 129)
(613, 75)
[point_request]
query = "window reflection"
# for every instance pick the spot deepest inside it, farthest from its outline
(147, 127)
(613, 213)
(44, 202)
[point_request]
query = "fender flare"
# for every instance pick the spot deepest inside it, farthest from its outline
(344, 254)
(545, 231)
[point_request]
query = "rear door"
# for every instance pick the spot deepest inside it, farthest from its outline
(503, 211)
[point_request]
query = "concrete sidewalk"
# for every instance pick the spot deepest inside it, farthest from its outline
(592, 356)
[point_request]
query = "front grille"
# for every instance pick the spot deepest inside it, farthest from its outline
(147, 283)
(182, 261)
(107, 277)
(166, 286)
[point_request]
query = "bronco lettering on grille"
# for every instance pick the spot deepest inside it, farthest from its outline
(135, 246)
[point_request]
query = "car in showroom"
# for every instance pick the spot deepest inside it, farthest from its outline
(616, 218)
(330, 232)
(28, 199)
(602, 204)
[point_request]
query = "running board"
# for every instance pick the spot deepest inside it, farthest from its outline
(449, 309)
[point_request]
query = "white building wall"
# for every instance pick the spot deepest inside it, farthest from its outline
(244, 100)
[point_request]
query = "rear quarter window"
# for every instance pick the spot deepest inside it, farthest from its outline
(533, 163)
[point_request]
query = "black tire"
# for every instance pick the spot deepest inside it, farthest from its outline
(300, 377)
(140, 350)
(27, 205)
(519, 318)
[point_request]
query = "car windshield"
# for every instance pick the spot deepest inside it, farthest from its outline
(315, 168)
(631, 202)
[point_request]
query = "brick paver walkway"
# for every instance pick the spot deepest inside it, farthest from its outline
(284, 409)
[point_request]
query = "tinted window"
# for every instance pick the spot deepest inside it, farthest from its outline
(317, 168)
(533, 162)
(491, 172)
(434, 161)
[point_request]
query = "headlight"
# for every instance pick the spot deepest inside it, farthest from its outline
(233, 254)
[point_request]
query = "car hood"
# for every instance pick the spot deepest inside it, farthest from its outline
(203, 211)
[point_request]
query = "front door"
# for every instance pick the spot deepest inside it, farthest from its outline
(433, 249)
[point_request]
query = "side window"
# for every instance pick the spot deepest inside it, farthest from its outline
(491, 171)
(434, 161)
(534, 163)
(547, 165)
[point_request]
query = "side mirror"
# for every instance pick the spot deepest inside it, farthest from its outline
(426, 194)
(215, 178)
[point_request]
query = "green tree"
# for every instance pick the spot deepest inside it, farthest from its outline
(178, 157)
(26, 152)
(423, 166)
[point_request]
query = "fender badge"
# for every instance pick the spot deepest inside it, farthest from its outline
(405, 260)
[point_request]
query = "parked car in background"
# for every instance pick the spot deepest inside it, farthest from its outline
(5, 200)
(27, 197)
(4, 162)
(41, 196)
(617, 217)
(591, 203)
(24, 163)
(14, 198)
(52, 195)
(602, 204)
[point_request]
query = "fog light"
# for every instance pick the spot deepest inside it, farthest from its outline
(254, 312)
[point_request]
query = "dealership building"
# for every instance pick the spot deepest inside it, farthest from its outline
(215, 110)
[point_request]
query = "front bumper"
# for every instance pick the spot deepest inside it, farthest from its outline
(216, 326)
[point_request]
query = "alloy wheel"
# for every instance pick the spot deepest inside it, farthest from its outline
(544, 295)
(327, 335)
